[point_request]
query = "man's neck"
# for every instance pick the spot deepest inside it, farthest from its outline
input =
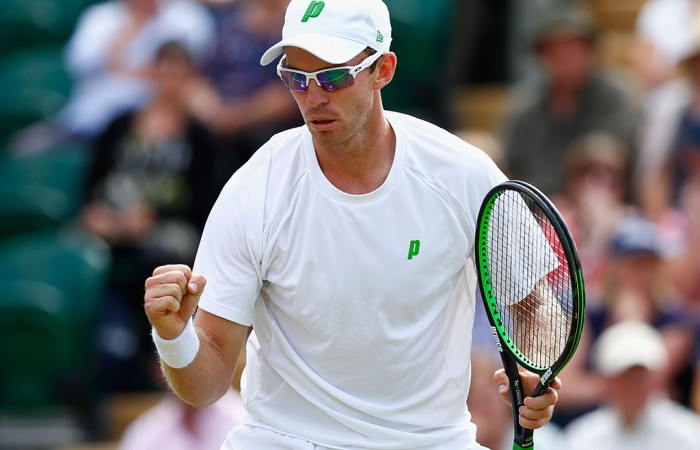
(361, 165)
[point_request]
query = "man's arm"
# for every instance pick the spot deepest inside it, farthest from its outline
(171, 298)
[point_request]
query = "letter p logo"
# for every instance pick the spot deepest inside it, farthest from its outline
(314, 9)
(413, 249)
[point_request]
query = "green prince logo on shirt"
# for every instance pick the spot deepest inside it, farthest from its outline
(413, 249)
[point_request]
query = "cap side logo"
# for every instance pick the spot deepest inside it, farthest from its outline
(314, 9)
(380, 36)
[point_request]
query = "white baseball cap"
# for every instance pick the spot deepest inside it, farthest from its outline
(628, 344)
(333, 30)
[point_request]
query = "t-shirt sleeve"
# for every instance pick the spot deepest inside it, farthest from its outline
(229, 252)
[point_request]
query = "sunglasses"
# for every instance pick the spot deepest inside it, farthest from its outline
(328, 79)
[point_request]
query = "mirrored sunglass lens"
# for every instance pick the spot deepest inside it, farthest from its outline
(335, 79)
(293, 80)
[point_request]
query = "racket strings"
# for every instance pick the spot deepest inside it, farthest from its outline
(530, 277)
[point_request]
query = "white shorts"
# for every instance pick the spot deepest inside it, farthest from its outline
(246, 437)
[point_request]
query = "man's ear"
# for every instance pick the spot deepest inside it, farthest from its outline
(384, 72)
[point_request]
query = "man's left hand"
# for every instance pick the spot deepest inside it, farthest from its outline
(536, 411)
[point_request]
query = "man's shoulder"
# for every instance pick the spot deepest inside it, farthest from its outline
(430, 145)
(414, 124)
(445, 161)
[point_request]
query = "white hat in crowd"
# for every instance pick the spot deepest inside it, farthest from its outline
(629, 344)
(333, 30)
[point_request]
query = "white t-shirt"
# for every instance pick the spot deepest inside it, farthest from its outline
(362, 305)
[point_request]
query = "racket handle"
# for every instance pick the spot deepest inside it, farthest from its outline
(524, 440)
(516, 446)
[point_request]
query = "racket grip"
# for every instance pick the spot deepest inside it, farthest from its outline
(522, 437)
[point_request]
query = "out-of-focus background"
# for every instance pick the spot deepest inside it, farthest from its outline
(121, 120)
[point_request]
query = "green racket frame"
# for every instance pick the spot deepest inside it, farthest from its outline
(510, 355)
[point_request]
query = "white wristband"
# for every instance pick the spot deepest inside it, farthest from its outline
(181, 351)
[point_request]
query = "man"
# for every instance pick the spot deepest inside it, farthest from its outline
(632, 358)
(572, 97)
(346, 245)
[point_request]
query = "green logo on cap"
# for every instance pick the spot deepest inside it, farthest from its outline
(380, 36)
(313, 10)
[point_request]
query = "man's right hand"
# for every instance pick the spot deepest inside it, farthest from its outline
(171, 298)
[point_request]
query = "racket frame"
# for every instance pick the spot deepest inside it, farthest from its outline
(510, 355)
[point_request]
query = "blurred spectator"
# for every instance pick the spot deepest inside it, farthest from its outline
(670, 144)
(108, 57)
(594, 197)
(247, 103)
(636, 287)
(661, 115)
(149, 192)
(682, 233)
(571, 98)
(524, 17)
(664, 29)
(631, 356)
(174, 425)
(639, 288)
(493, 418)
(669, 184)
(111, 49)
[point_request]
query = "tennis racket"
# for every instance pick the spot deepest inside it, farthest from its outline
(532, 286)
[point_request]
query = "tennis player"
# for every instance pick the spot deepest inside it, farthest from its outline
(347, 245)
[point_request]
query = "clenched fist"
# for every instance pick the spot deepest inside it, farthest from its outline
(171, 297)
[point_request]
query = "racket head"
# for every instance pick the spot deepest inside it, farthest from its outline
(499, 236)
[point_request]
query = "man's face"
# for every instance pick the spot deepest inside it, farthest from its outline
(334, 118)
(630, 391)
(568, 60)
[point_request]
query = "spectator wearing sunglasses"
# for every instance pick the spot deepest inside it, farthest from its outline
(347, 245)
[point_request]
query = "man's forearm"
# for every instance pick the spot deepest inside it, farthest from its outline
(209, 376)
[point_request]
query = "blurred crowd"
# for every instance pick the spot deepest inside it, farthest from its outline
(167, 99)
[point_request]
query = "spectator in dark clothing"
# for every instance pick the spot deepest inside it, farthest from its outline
(149, 191)
(572, 98)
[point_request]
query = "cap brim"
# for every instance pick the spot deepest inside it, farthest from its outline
(332, 49)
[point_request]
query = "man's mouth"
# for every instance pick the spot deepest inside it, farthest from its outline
(321, 124)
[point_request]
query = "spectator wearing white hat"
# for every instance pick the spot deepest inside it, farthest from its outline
(637, 287)
(631, 357)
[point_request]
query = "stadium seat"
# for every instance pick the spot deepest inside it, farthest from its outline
(28, 208)
(39, 67)
(41, 191)
(34, 85)
(34, 318)
(30, 22)
(421, 31)
(52, 287)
